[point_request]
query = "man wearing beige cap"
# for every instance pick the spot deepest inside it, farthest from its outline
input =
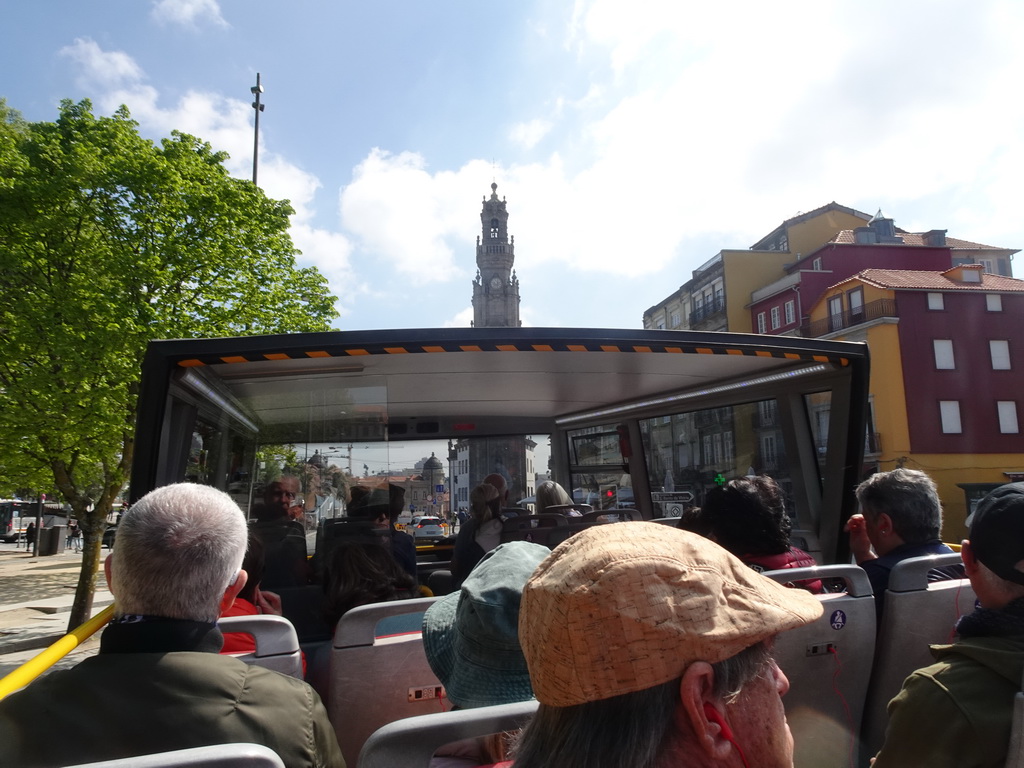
(650, 646)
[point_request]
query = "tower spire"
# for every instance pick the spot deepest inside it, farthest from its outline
(495, 290)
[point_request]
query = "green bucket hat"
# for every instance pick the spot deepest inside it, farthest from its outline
(471, 637)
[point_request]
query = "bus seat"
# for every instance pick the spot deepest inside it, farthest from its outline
(213, 756)
(303, 607)
(277, 646)
(333, 530)
(411, 743)
(826, 663)
(611, 515)
(375, 679)
(1015, 751)
(807, 541)
(917, 613)
(539, 528)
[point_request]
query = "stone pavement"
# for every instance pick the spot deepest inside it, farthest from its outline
(36, 594)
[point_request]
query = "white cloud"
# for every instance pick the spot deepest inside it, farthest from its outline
(101, 69)
(188, 12)
(529, 134)
(410, 218)
(462, 319)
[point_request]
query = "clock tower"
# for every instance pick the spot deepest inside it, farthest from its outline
(496, 287)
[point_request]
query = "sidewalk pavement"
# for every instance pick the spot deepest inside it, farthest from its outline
(36, 595)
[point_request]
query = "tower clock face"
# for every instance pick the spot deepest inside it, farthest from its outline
(495, 282)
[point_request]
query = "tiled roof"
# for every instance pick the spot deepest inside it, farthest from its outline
(917, 238)
(919, 280)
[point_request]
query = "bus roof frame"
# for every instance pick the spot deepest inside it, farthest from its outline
(437, 376)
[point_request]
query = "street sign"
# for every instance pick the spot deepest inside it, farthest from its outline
(438, 489)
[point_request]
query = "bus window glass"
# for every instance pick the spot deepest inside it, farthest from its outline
(819, 407)
(600, 476)
(691, 452)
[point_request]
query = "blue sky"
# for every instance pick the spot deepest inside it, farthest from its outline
(632, 140)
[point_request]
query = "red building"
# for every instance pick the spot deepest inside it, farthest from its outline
(783, 306)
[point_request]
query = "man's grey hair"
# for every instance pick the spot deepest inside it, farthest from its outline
(634, 730)
(909, 497)
(177, 550)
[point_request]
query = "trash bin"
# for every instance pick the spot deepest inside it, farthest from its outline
(52, 540)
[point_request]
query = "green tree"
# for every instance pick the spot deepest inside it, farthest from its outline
(108, 240)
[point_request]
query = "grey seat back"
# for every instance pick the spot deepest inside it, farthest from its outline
(412, 742)
(378, 675)
(277, 645)
(541, 528)
(214, 756)
(827, 664)
(917, 613)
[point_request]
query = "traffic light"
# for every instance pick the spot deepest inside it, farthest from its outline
(609, 496)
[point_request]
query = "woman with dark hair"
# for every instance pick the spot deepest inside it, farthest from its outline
(363, 572)
(748, 517)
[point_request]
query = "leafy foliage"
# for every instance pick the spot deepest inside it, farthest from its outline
(108, 240)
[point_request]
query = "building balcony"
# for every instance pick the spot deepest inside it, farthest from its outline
(707, 311)
(850, 318)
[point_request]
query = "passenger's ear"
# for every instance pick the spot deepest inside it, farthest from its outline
(233, 589)
(107, 565)
(967, 555)
(694, 713)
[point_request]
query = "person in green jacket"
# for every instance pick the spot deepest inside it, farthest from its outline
(959, 711)
(158, 683)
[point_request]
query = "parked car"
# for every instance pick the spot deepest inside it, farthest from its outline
(427, 528)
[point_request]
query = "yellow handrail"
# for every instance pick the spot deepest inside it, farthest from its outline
(41, 662)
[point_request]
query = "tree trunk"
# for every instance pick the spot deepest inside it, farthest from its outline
(92, 543)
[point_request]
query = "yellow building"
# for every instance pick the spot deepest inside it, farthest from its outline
(717, 296)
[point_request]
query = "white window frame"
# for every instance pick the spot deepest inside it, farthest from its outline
(790, 312)
(1007, 411)
(816, 264)
(944, 358)
(999, 351)
(762, 326)
(949, 415)
(993, 302)
(776, 318)
(936, 302)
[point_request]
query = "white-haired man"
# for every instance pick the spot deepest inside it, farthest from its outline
(158, 682)
(650, 647)
(959, 711)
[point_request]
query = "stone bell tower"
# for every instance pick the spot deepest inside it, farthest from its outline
(496, 287)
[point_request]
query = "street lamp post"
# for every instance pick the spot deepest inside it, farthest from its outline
(256, 105)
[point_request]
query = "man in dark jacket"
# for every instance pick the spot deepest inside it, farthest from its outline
(958, 712)
(158, 683)
(283, 537)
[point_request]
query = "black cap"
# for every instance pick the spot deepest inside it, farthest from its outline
(997, 532)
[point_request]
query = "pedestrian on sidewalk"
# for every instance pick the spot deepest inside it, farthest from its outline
(75, 536)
